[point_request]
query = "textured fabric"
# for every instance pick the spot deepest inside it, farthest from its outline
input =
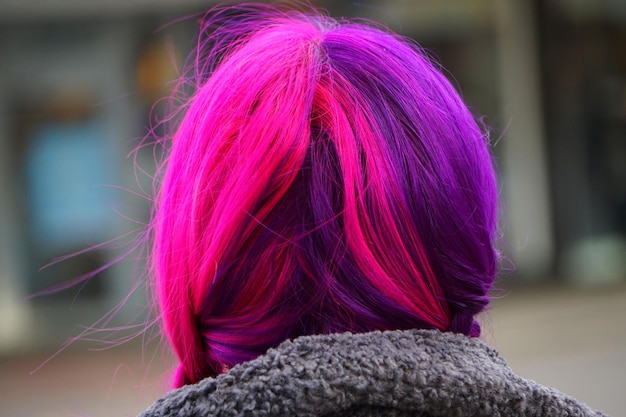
(395, 373)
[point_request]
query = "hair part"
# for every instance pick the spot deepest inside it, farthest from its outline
(325, 177)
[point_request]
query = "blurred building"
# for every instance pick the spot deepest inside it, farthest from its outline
(78, 81)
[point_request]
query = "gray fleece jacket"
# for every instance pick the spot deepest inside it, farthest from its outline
(395, 373)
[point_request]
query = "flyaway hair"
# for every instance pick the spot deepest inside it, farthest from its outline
(324, 177)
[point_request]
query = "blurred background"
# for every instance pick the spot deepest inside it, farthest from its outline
(78, 85)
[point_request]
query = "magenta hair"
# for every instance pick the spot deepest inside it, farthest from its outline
(324, 176)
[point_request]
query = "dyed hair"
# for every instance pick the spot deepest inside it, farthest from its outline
(324, 177)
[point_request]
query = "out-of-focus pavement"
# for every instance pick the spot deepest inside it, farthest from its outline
(572, 340)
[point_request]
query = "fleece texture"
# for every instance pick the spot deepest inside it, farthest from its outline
(396, 373)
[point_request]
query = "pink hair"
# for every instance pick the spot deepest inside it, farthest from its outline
(325, 177)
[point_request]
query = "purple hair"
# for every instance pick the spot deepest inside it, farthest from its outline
(324, 177)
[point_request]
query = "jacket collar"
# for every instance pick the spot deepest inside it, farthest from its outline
(412, 372)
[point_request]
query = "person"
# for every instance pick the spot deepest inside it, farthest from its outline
(324, 230)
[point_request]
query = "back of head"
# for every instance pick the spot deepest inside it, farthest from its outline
(325, 177)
